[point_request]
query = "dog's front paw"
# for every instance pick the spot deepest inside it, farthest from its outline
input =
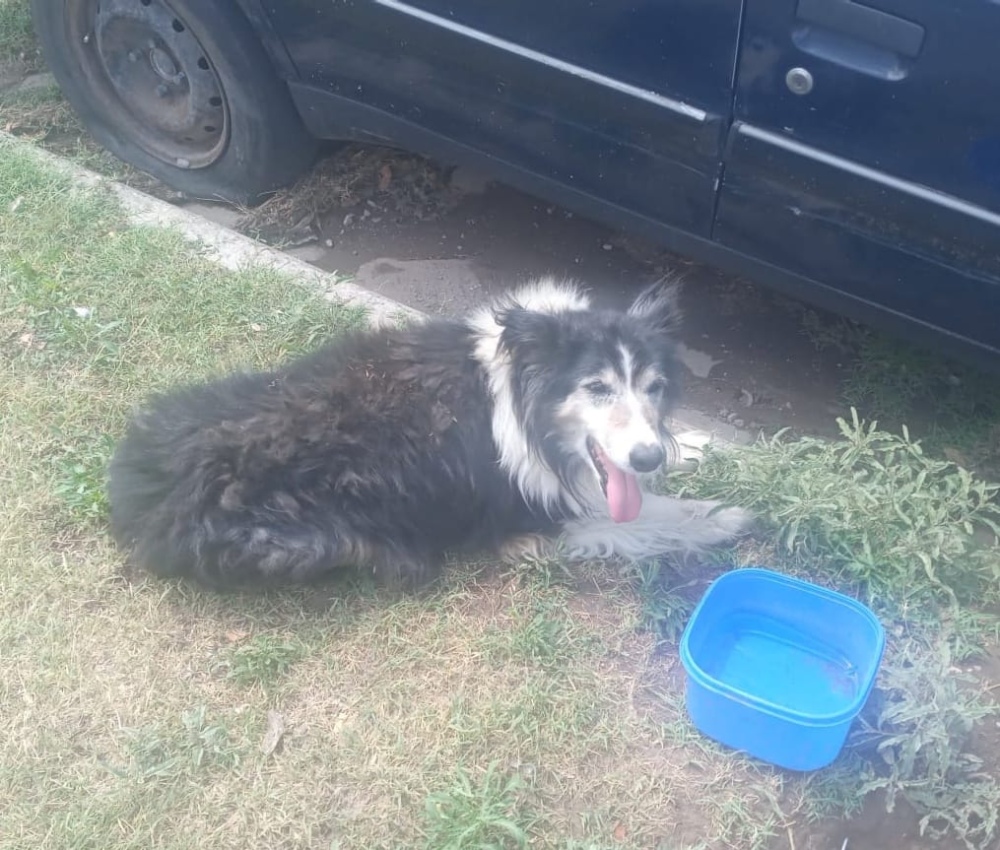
(721, 524)
(732, 522)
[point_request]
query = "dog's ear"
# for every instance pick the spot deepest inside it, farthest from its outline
(532, 341)
(527, 330)
(659, 305)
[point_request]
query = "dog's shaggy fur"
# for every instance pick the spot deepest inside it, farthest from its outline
(525, 425)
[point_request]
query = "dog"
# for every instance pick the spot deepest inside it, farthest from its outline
(521, 430)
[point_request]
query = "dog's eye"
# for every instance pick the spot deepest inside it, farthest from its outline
(657, 387)
(598, 388)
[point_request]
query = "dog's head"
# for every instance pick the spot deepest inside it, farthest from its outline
(594, 390)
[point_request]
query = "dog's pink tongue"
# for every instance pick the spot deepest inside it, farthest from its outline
(624, 497)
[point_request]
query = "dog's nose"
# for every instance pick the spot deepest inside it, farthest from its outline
(646, 458)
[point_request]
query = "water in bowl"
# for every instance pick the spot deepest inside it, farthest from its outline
(768, 659)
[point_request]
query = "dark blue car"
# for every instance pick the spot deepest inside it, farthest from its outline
(844, 152)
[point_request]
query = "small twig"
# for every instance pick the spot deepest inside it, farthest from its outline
(844, 845)
(791, 839)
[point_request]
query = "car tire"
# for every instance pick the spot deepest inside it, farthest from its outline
(181, 89)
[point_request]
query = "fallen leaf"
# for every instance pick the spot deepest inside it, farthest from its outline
(236, 635)
(273, 733)
(384, 177)
(620, 833)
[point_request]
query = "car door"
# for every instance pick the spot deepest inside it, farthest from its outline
(865, 155)
(626, 101)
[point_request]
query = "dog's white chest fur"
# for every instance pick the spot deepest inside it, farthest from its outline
(533, 477)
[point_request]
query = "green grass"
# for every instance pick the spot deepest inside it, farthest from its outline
(483, 814)
(539, 632)
(179, 751)
(538, 706)
(953, 407)
(666, 604)
(921, 725)
(263, 660)
(871, 510)
(17, 35)
(80, 474)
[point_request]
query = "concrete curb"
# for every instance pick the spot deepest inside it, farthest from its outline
(229, 249)
(235, 251)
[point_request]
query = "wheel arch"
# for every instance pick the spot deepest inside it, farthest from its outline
(260, 22)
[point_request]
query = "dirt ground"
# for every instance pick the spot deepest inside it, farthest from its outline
(442, 240)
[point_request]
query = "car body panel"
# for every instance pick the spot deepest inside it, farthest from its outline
(876, 194)
(930, 118)
(883, 180)
(580, 112)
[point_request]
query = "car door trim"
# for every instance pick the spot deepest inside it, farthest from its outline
(677, 106)
(915, 190)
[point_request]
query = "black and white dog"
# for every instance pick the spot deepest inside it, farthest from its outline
(520, 430)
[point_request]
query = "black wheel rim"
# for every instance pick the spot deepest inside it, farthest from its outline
(153, 79)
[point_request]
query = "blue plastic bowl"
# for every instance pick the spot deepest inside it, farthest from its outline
(778, 667)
